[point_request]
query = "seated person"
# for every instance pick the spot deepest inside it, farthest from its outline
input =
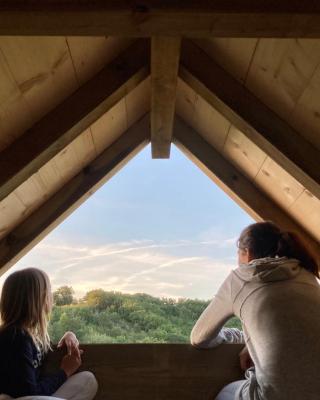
(276, 295)
(25, 305)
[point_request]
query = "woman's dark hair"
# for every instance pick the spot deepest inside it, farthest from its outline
(266, 239)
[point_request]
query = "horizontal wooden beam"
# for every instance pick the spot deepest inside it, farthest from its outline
(234, 183)
(75, 192)
(62, 125)
(157, 371)
(165, 53)
(247, 113)
(219, 18)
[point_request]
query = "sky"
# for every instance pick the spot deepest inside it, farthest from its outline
(160, 227)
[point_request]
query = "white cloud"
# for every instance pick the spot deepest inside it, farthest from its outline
(165, 269)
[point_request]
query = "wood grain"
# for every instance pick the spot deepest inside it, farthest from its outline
(243, 153)
(233, 18)
(31, 230)
(234, 183)
(232, 54)
(74, 115)
(43, 70)
(158, 371)
(248, 114)
(165, 54)
(307, 208)
(280, 72)
(91, 54)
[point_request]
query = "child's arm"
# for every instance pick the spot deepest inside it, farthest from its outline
(28, 377)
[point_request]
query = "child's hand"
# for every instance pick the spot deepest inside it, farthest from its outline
(71, 362)
(71, 342)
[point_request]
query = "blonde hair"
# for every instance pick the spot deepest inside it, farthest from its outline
(26, 302)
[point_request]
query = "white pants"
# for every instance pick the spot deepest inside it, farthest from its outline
(80, 386)
(229, 391)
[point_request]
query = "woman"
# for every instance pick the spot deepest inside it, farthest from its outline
(275, 293)
(25, 306)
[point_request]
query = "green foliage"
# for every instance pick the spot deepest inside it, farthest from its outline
(63, 296)
(111, 317)
(103, 300)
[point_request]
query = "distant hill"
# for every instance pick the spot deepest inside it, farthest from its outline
(113, 317)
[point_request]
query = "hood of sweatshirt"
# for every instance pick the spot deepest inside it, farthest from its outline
(269, 269)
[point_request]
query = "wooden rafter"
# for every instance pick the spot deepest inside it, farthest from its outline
(247, 113)
(220, 18)
(77, 190)
(165, 52)
(234, 183)
(62, 125)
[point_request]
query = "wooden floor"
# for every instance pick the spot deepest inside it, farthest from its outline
(158, 371)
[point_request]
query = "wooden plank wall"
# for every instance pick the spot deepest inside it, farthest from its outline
(246, 112)
(235, 184)
(71, 196)
(66, 164)
(283, 73)
(158, 371)
(37, 73)
(249, 158)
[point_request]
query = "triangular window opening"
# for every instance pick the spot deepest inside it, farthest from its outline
(158, 239)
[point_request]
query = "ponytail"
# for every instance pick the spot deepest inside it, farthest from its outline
(266, 239)
(291, 245)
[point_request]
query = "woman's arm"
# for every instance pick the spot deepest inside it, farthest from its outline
(208, 331)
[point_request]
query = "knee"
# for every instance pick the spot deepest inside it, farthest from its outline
(91, 384)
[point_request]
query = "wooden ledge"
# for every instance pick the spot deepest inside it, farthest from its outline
(158, 371)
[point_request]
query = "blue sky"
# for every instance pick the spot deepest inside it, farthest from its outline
(158, 226)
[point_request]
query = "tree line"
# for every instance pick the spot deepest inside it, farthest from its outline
(114, 317)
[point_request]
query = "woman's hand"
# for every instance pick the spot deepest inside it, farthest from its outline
(245, 359)
(71, 342)
(71, 362)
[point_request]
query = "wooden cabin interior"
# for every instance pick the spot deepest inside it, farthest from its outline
(85, 85)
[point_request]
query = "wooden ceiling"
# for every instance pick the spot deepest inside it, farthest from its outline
(74, 109)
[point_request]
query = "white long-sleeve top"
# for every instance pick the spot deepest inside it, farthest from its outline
(278, 303)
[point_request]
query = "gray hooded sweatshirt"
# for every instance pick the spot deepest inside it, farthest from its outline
(278, 303)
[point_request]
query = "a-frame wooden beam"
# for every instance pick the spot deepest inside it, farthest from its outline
(234, 183)
(165, 52)
(62, 125)
(219, 18)
(75, 192)
(260, 124)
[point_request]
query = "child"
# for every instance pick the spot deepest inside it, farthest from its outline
(25, 305)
